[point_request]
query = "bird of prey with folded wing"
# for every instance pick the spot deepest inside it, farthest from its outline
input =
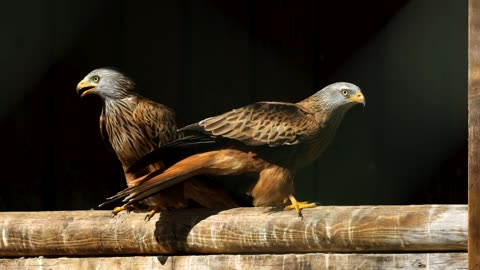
(271, 140)
(134, 126)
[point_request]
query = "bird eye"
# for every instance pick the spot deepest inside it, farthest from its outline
(95, 78)
(344, 92)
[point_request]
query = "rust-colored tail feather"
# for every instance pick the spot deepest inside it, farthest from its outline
(208, 194)
(221, 162)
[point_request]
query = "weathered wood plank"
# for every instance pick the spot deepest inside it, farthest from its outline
(474, 134)
(263, 261)
(251, 230)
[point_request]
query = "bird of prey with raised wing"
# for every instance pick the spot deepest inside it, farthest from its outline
(134, 126)
(271, 140)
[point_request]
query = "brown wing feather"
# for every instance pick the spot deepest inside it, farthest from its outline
(261, 123)
(156, 120)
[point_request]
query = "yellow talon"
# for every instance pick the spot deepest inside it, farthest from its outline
(152, 213)
(126, 207)
(298, 206)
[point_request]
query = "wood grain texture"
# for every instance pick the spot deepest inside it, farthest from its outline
(241, 230)
(474, 134)
(264, 261)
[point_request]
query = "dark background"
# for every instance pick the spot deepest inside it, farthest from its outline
(205, 57)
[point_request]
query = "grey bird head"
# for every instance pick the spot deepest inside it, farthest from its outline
(340, 95)
(107, 83)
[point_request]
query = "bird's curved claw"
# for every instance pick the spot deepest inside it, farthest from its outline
(298, 206)
(126, 207)
(151, 214)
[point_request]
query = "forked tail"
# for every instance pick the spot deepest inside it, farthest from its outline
(221, 162)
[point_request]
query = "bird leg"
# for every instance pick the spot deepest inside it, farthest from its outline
(126, 207)
(153, 211)
(298, 206)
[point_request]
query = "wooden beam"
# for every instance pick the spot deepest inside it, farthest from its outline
(474, 134)
(267, 261)
(241, 230)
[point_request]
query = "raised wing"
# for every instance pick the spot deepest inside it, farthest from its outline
(261, 123)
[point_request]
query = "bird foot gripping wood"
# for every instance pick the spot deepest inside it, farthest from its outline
(152, 213)
(298, 206)
(126, 207)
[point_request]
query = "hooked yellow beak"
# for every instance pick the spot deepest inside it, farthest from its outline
(84, 88)
(359, 98)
